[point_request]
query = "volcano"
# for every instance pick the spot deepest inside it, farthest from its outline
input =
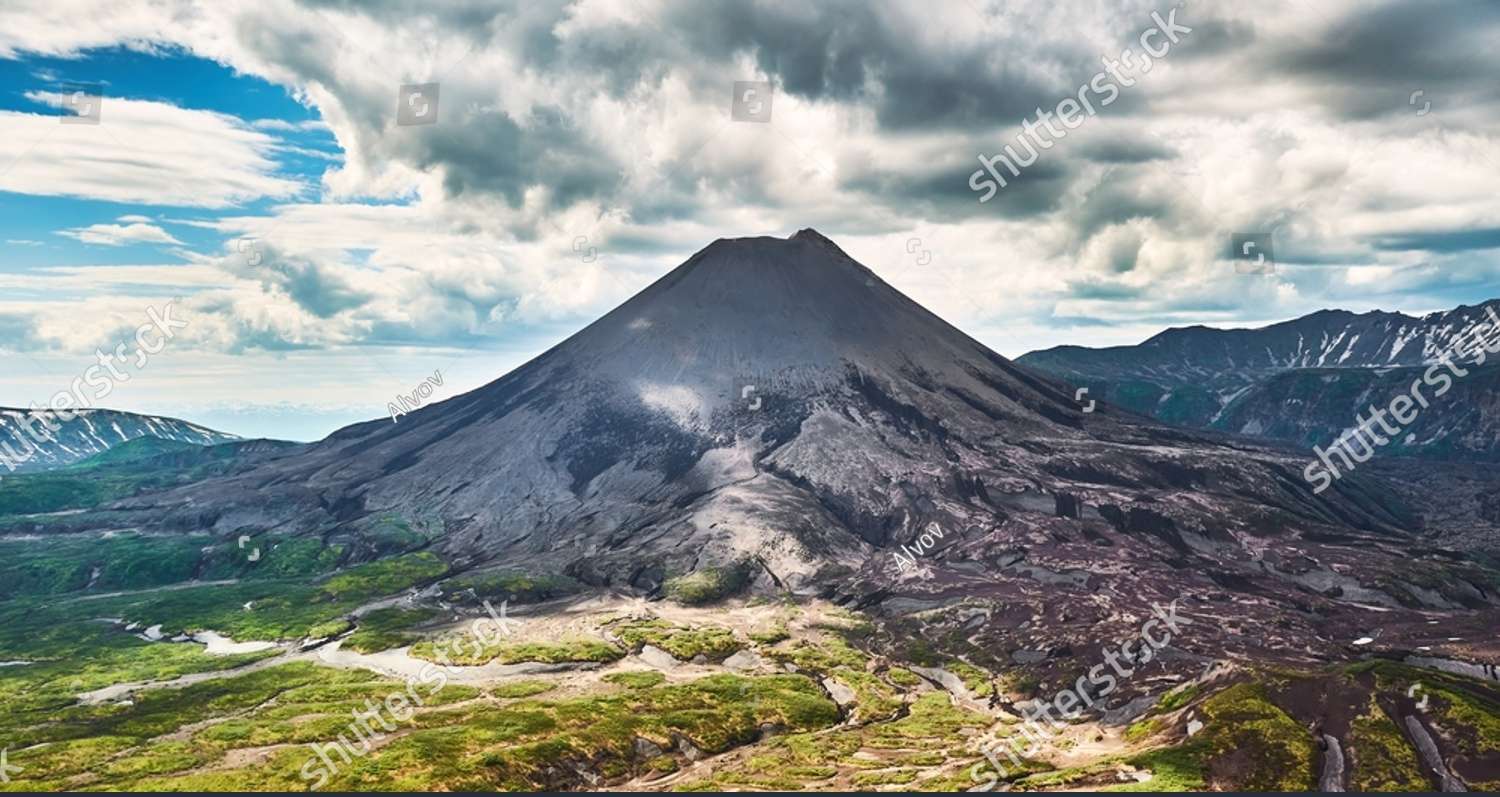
(771, 405)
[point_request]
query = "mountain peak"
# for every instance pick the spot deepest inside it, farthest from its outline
(809, 234)
(769, 244)
(799, 307)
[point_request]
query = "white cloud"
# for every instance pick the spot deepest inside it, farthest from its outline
(610, 120)
(142, 152)
(282, 125)
(121, 234)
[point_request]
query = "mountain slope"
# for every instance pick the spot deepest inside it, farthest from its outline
(641, 429)
(35, 440)
(771, 409)
(143, 464)
(1300, 381)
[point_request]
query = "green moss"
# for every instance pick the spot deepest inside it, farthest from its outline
(1480, 718)
(1022, 683)
(977, 681)
(774, 634)
(471, 650)
(1036, 776)
(901, 676)
(382, 629)
(522, 688)
(707, 585)
(873, 699)
(920, 652)
(509, 585)
(131, 468)
(885, 777)
(1275, 751)
(1178, 698)
(931, 717)
(821, 657)
(1174, 769)
(384, 577)
(685, 644)
(1143, 729)
(124, 561)
(638, 679)
(797, 761)
(253, 609)
(664, 764)
(329, 628)
(297, 557)
(927, 759)
(1469, 716)
(529, 744)
(159, 759)
(848, 624)
(70, 757)
(1380, 759)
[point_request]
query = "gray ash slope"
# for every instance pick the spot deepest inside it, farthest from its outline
(638, 433)
(632, 451)
(86, 433)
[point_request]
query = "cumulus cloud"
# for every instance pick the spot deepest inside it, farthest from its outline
(137, 231)
(141, 152)
(609, 120)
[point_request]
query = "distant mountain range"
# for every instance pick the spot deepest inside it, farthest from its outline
(38, 440)
(1302, 381)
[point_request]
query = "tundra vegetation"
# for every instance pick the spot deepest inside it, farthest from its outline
(754, 693)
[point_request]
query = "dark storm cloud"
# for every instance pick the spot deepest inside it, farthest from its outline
(492, 152)
(1447, 241)
(1118, 198)
(319, 290)
(840, 52)
(1213, 37)
(1368, 63)
(1122, 150)
(853, 52)
(944, 192)
(1105, 290)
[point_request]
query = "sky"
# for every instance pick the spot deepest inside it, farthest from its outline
(254, 165)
